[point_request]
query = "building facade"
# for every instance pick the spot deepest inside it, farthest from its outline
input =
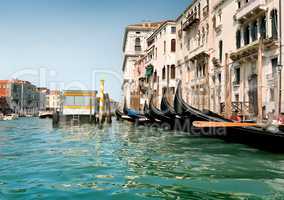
(18, 96)
(161, 61)
(193, 53)
(54, 100)
(226, 52)
(134, 46)
(257, 25)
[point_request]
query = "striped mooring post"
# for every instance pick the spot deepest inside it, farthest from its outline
(102, 103)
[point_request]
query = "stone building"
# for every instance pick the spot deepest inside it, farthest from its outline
(161, 61)
(19, 96)
(193, 52)
(257, 23)
(54, 100)
(134, 46)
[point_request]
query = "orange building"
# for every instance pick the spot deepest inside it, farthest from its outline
(4, 88)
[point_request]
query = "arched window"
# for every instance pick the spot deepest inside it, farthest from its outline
(173, 72)
(274, 23)
(173, 45)
(238, 39)
(263, 27)
(164, 73)
(155, 76)
(137, 44)
(246, 35)
(254, 31)
(220, 50)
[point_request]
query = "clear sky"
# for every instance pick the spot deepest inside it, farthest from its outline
(72, 43)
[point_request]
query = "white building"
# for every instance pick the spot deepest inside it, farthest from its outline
(43, 93)
(134, 45)
(161, 60)
(54, 100)
(256, 19)
(193, 53)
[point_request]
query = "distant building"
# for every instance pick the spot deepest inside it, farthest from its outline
(54, 100)
(43, 103)
(79, 102)
(19, 96)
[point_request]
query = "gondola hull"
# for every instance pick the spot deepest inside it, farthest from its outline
(253, 136)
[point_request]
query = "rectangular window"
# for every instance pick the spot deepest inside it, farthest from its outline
(239, 4)
(254, 31)
(173, 30)
(220, 51)
(274, 64)
(237, 98)
(246, 35)
(263, 27)
(165, 47)
(173, 72)
(238, 39)
(237, 76)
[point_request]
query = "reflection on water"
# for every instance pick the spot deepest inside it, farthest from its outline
(124, 162)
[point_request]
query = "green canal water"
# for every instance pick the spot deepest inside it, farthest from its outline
(123, 162)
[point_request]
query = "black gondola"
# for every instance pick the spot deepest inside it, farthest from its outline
(167, 121)
(133, 116)
(254, 136)
(166, 108)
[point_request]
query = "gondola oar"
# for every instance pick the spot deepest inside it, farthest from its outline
(206, 124)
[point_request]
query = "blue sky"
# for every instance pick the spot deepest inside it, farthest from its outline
(62, 43)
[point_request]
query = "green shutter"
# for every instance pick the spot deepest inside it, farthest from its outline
(149, 71)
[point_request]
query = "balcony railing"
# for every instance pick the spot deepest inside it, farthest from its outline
(190, 20)
(250, 9)
(251, 50)
(241, 108)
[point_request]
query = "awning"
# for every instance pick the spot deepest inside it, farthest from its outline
(149, 71)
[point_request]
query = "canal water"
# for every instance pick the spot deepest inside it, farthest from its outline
(123, 162)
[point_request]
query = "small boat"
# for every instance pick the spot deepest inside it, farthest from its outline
(10, 117)
(131, 115)
(45, 114)
(167, 121)
(166, 108)
(118, 114)
(148, 115)
(269, 138)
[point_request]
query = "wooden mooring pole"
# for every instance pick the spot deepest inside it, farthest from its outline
(228, 91)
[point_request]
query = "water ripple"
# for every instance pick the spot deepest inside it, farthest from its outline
(124, 162)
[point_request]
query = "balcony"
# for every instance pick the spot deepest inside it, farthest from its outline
(250, 51)
(250, 9)
(190, 21)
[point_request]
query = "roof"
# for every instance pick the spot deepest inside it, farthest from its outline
(161, 27)
(80, 93)
(15, 81)
(145, 26)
